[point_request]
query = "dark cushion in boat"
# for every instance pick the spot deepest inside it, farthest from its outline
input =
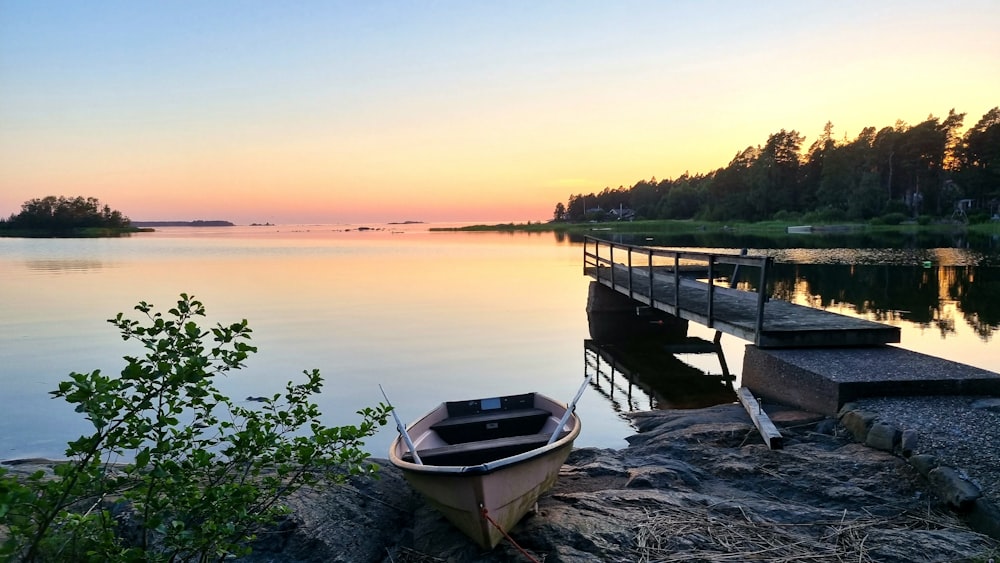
(490, 425)
(477, 453)
(493, 404)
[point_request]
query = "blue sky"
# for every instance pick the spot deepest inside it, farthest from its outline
(369, 111)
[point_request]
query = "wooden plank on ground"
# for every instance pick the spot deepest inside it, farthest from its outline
(760, 419)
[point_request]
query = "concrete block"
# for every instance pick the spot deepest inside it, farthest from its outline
(823, 379)
(777, 380)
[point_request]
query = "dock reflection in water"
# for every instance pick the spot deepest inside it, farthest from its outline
(647, 375)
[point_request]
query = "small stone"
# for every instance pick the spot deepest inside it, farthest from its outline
(991, 404)
(858, 423)
(848, 407)
(923, 463)
(882, 436)
(908, 442)
(827, 427)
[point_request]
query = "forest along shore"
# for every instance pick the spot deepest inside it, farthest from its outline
(692, 484)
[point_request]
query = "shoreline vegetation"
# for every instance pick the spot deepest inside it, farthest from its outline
(81, 217)
(202, 475)
(929, 172)
(67, 217)
(195, 223)
(925, 177)
(89, 232)
(680, 226)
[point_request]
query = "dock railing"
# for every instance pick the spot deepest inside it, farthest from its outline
(620, 266)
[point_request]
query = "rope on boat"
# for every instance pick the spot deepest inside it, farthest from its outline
(486, 515)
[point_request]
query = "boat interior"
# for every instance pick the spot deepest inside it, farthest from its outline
(484, 430)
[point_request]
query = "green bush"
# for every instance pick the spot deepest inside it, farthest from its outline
(978, 217)
(786, 216)
(894, 218)
(895, 206)
(825, 215)
(205, 476)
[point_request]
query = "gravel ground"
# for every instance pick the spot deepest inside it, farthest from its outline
(963, 432)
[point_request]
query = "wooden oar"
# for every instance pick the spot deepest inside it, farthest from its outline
(401, 428)
(569, 409)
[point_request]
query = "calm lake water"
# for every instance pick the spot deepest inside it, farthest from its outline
(431, 316)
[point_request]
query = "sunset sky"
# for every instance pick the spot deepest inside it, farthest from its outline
(369, 111)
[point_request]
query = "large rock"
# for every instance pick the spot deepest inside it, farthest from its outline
(953, 488)
(342, 523)
(696, 485)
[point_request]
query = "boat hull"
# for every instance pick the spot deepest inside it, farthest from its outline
(461, 498)
(501, 490)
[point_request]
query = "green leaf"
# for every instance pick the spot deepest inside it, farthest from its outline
(216, 469)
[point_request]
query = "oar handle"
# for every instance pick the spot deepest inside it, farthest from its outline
(401, 428)
(569, 409)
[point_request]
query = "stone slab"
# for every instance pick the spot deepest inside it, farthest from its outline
(823, 379)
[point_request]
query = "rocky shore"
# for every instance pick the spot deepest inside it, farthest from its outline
(693, 485)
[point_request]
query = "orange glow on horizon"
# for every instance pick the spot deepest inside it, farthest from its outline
(478, 113)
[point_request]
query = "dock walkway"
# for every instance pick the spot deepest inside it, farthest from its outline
(661, 279)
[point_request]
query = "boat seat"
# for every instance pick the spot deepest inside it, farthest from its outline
(477, 453)
(489, 425)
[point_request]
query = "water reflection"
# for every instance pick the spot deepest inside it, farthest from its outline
(63, 265)
(926, 296)
(644, 375)
(984, 246)
(876, 256)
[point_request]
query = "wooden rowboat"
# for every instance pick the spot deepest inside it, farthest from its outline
(485, 462)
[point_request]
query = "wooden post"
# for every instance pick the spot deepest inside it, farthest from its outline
(630, 295)
(711, 290)
(761, 299)
(611, 261)
(677, 284)
(650, 277)
(760, 419)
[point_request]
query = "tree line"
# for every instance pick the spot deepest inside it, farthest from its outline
(61, 213)
(926, 170)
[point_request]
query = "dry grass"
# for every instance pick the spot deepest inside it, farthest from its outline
(407, 555)
(673, 534)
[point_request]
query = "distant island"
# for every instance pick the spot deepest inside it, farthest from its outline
(196, 223)
(406, 223)
(64, 217)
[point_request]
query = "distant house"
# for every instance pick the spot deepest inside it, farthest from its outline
(621, 214)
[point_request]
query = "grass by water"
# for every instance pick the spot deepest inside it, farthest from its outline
(692, 226)
(85, 232)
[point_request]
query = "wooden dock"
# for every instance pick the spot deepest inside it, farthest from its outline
(651, 377)
(696, 286)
